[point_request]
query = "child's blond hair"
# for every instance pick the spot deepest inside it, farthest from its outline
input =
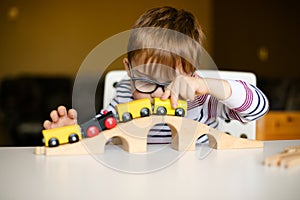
(176, 32)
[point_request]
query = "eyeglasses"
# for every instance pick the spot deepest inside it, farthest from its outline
(146, 85)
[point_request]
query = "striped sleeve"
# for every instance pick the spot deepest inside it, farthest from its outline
(246, 103)
(123, 95)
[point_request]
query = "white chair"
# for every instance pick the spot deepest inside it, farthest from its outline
(233, 127)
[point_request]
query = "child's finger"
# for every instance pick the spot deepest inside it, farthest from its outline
(187, 92)
(72, 113)
(47, 124)
(166, 94)
(174, 101)
(172, 93)
(62, 111)
(54, 116)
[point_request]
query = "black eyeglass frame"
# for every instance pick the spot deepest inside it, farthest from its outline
(158, 84)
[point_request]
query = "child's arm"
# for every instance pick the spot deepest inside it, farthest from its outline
(238, 100)
(61, 117)
(246, 103)
(188, 87)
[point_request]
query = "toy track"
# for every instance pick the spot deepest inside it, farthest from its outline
(133, 135)
(290, 157)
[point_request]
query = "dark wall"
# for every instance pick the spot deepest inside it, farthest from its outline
(26, 101)
(259, 36)
(262, 37)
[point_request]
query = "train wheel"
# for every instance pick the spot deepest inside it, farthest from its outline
(110, 122)
(126, 117)
(73, 138)
(53, 142)
(179, 112)
(145, 112)
(161, 110)
(92, 131)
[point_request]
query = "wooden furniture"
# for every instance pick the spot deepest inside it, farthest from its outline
(228, 174)
(279, 125)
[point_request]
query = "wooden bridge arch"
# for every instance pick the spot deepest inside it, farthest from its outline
(133, 134)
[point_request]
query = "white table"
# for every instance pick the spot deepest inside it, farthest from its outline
(222, 174)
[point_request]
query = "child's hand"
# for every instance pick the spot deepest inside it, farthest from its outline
(188, 87)
(61, 117)
(184, 87)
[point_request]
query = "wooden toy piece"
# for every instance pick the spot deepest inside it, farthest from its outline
(133, 136)
(134, 109)
(164, 107)
(104, 120)
(291, 160)
(62, 135)
(40, 150)
(221, 140)
(288, 158)
(142, 108)
(292, 149)
(96, 145)
(77, 148)
(275, 160)
(74, 133)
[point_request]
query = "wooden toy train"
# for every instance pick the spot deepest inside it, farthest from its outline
(106, 120)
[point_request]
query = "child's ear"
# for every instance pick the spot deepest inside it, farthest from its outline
(126, 65)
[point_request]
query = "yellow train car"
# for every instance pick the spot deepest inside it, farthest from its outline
(164, 107)
(62, 135)
(134, 109)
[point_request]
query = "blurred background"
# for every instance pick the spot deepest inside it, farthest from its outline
(43, 43)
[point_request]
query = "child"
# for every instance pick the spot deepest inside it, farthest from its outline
(157, 72)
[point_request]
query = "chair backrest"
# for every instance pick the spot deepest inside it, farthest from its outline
(233, 127)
